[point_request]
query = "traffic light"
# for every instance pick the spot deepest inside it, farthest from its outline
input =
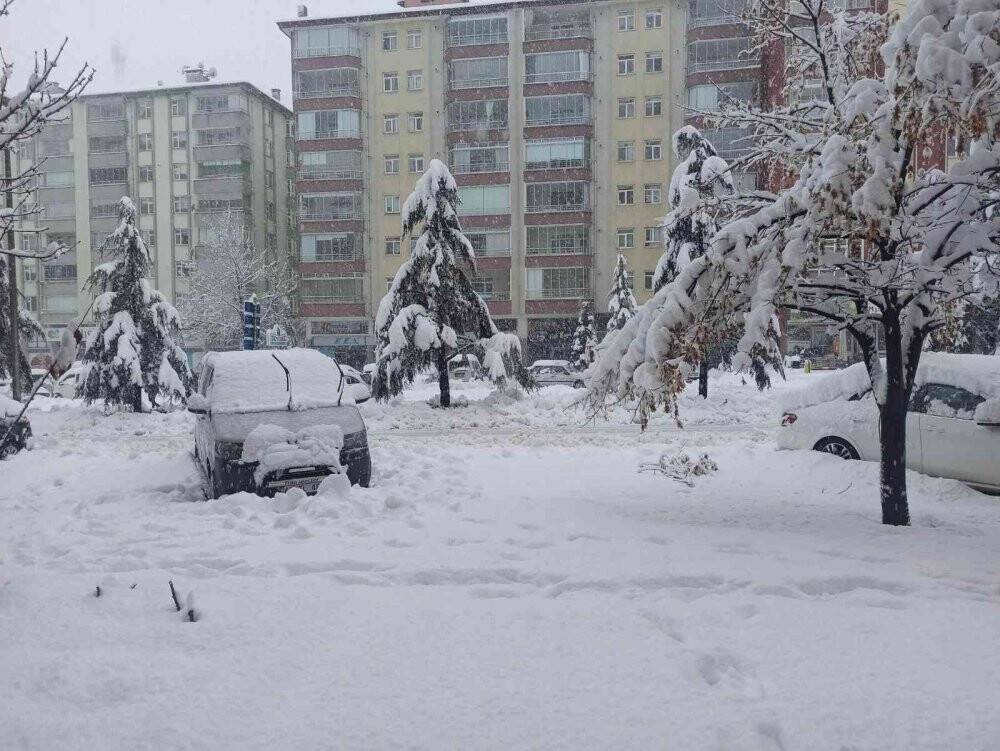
(251, 322)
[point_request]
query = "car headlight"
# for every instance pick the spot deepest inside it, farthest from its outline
(229, 451)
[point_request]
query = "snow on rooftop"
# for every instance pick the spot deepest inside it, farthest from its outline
(418, 10)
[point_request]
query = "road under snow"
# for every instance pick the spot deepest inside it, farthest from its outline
(495, 588)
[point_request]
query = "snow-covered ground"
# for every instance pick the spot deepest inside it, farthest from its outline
(509, 581)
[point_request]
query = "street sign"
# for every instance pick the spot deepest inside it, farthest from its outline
(277, 338)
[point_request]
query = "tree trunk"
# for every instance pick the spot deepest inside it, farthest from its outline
(703, 379)
(892, 427)
(443, 384)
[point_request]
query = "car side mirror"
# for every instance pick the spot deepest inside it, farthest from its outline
(197, 404)
(988, 413)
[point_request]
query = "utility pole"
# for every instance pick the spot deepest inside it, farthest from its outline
(12, 307)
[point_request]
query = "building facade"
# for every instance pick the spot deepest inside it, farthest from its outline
(555, 118)
(184, 154)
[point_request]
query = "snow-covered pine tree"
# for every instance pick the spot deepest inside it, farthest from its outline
(133, 358)
(621, 301)
(584, 338)
(431, 301)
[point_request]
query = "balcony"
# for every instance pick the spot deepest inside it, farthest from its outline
(351, 50)
(323, 135)
(346, 90)
(556, 208)
(223, 185)
(748, 61)
(471, 40)
(480, 168)
(330, 174)
(560, 118)
(464, 125)
(558, 31)
(478, 83)
(576, 293)
(329, 216)
(697, 22)
(494, 295)
(561, 76)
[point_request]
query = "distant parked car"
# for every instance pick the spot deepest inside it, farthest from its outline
(952, 427)
(368, 372)
(549, 372)
(794, 361)
(265, 421)
(18, 431)
(465, 367)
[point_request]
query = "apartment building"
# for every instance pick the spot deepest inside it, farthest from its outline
(184, 154)
(555, 117)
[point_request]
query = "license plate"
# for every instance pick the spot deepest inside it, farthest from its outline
(308, 484)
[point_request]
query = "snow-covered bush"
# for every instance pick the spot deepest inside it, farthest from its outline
(133, 359)
(621, 301)
(584, 338)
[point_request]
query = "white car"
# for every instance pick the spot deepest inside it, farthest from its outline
(952, 426)
(357, 386)
(549, 372)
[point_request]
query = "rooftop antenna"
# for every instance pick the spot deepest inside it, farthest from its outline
(198, 73)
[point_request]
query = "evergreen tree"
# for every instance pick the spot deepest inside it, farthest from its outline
(431, 301)
(28, 329)
(133, 359)
(584, 338)
(621, 301)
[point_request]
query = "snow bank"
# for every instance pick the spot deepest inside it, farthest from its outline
(275, 448)
(8, 407)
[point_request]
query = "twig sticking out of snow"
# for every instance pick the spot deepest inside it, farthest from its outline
(192, 613)
(173, 593)
(97, 591)
(680, 467)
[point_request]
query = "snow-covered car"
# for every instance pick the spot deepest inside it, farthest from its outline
(952, 426)
(356, 384)
(794, 361)
(368, 372)
(549, 372)
(269, 421)
(65, 386)
(465, 367)
(17, 431)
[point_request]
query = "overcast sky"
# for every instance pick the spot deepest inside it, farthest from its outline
(135, 43)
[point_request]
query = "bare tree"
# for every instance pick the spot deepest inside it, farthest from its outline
(229, 269)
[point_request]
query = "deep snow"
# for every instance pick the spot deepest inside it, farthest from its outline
(518, 587)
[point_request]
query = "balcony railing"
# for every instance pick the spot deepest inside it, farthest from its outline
(321, 135)
(328, 216)
(558, 294)
(696, 22)
(558, 164)
(469, 40)
(333, 298)
(560, 119)
(492, 252)
(327, 52)
(560, 76)
(545, 33)
(346, 254)
(495, 295)
(351, 90)
(479, 83)
(499, 165)
(478, 125)
(558, 250)
(547, 208)
(331, 174)
(737, 64)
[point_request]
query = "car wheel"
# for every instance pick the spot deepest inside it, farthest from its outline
(837, 447)
(360, 472)
(578, 384)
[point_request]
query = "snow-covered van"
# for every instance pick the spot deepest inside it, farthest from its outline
(952, 425)
(268, 421)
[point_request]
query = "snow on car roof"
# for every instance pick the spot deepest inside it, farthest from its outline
(548, 363)
(977, 373)
(252, 381)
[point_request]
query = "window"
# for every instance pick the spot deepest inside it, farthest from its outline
(557, 196)
(414, 80)
(182, 236)
(30, 270)
(178, 107)
(392, 164)
(146, 174)
(489, 114)
(61, 179)
(222, 168)
(105, 144)
(562, 109)
(182, 204)
(626, 238)
(145, 142)
(146, 206)
(416, 163)
(148, 237)
(335, 246)
(414, 39)
(220, 205)
(222, 103)
(340, 40)
(332, 289)
(729, 142)
(626, 20)
(330, 165)
(103, 211)
(218, 136)
(554, 67)
(557, 153)
(390, 124)
(392, 204)
(653, 193)
(269, 178)
(329, 124)
(626, 65)
(484, 200)
(721, 54)
(653, 237)
(647, 280)
(941, 400)
(654, 106)
(179, 139)
(712, 97)
(480, 158)
(654, 18)
(466, 31)
(710, 12)
(626, 151)
(390, 82)
(180, 171)
(329, 206)
(102, 111)
(326, 82)
(653, 151)
(626, 195)
(390, 41)
(31, 304)
(654, 62)
(393, 246)
(59, 272)
(415, 122)
(563, 282)
(490, 242)
(108, 176)
(477, 72)
(626, 107)
(144, 109)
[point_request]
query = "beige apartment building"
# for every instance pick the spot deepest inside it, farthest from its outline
(184, 154)
(554, 116)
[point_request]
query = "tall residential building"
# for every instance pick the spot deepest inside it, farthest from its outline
(184, 154)
(555, 117)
